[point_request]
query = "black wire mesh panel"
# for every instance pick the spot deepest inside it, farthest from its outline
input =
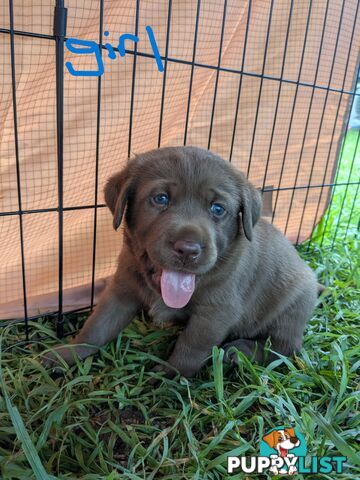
(267, 84)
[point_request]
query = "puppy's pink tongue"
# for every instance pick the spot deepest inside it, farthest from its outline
(177, 288)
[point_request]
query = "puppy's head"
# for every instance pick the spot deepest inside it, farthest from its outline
(282, 440)
(184, 208)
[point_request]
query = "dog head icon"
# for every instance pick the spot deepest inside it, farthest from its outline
(282, 440)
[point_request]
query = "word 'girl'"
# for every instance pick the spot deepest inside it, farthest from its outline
(86, 47)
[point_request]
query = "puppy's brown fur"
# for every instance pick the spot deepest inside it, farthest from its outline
(250, 282)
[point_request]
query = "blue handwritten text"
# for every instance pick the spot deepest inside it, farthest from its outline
(88, 47)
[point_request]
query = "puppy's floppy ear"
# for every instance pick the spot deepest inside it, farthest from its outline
(116, 193)
(250, 208)
(291, 432)
(271, 438)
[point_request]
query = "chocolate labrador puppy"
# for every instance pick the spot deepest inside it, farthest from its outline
(196, 250)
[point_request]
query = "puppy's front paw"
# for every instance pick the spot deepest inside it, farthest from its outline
(242, 345)
(274, 470)
(167, 373)
(54, 358)
(68, 354)
(252, 349)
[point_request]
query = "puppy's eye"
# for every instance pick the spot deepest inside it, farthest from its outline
(217, 210)
(161, 199)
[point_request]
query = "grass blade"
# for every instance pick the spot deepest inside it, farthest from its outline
(330, 432)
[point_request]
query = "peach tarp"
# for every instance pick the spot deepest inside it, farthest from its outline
(305, 125)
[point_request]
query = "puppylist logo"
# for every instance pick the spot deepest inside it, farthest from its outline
(283, 452)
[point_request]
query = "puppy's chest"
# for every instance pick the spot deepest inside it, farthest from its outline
(164, 316)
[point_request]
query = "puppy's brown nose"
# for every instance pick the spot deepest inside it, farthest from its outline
(187, 250)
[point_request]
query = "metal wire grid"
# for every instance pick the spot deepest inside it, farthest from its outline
(59, 38)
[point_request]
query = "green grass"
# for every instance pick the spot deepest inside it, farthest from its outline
(341, 220)
(104, 420)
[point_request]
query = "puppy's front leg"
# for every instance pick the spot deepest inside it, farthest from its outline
(114, 312)
(195, 343)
